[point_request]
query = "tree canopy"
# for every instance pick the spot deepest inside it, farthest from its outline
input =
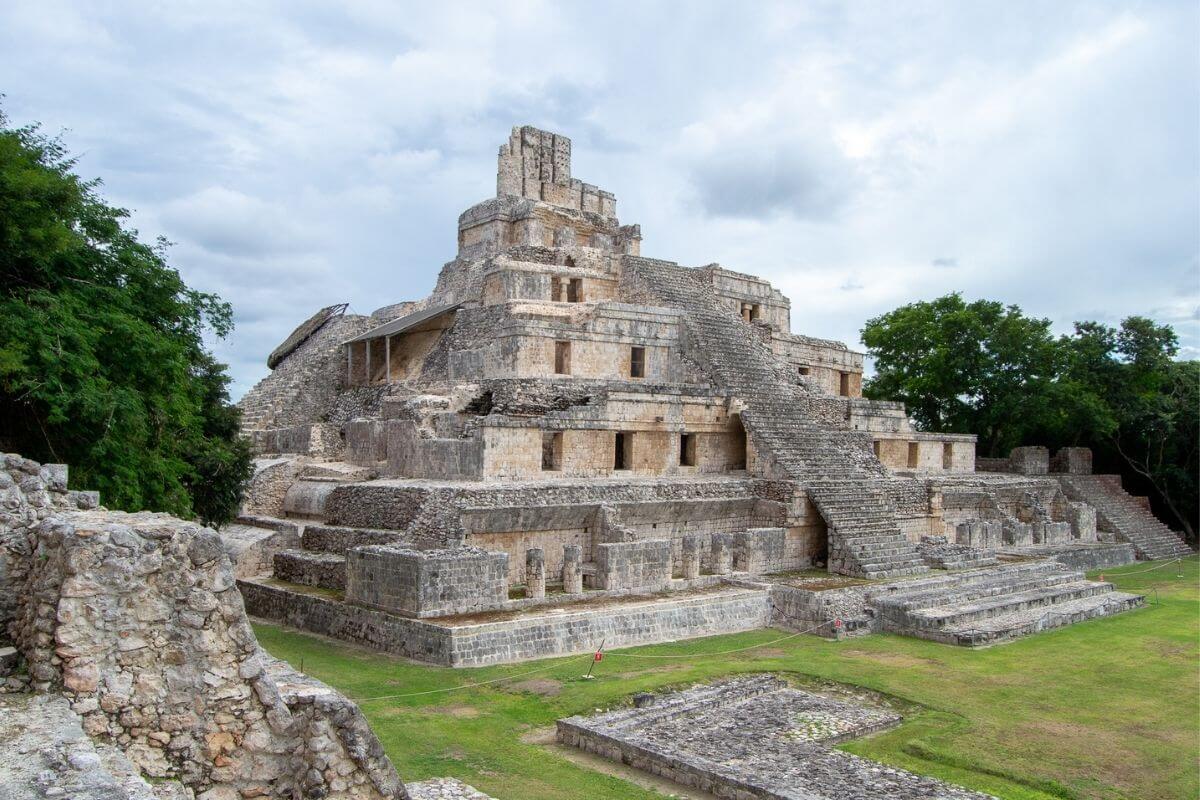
(986, 368)
(103, 364)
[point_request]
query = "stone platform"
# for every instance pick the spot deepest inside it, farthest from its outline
(992, 605)
(509, 636)
(754, 737)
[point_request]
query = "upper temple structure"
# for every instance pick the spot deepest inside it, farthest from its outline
(459, 478)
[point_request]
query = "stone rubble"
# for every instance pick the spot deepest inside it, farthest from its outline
(754, 737)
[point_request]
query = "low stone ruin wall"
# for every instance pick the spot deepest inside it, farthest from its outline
(759, 550)
(518, 637)
(137, 621)
(326, 616)
(638, 565)
(426, 583)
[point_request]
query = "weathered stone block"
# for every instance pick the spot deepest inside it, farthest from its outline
(426, 583)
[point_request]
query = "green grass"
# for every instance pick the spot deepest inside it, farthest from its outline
(1104, 709)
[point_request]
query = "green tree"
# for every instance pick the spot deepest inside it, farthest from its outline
(103, 364)
(959, 367)
(987, 369)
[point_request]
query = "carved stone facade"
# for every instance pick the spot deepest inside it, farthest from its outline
(609, 424)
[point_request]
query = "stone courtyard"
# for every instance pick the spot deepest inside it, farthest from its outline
(753, 737)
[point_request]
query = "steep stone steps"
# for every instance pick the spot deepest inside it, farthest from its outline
(1014, 625)
(1118, 512)
(994, 604)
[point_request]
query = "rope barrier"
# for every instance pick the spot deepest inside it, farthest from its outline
(727, 652)
(465, 685)
(591, 657)
(1150, 569)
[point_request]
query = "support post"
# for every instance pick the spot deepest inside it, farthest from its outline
(535, 573)
(572, 571)
(350, 364)
(387, 350)
(690, 547)
(367, 344)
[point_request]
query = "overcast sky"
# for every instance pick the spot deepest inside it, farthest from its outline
(859, 155)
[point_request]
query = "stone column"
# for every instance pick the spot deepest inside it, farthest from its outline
(572, 572)
(535, 573)
(691, 557)
(722, 553)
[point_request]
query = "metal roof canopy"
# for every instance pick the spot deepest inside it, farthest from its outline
(403, 323)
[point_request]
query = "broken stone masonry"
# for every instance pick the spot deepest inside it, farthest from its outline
(130, 669)
(568, 443)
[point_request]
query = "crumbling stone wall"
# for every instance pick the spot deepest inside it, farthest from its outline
(136, 620)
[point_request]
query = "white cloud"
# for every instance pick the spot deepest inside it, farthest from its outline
(859, 155)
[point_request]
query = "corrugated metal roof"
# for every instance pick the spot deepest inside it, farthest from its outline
(404, 323)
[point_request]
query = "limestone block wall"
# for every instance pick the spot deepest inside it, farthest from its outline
(759, 550)
(366, 441)
(511, 452)
(515, 544)
(321, 440)
(411, 454)
(641, 565)
(135, 618)
(738, 290)
(426, 583)
(1072, 461)
(267, 489)
(536, 283)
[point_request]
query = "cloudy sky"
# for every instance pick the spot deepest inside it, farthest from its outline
(859, 155)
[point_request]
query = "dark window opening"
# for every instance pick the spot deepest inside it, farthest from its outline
(622, 450)
(570, 262)
(947, 455)
(875, 447)
(575, 290)
(556, 290)
(552, 450)
(687, 449)
(844, 384)
(805, 370)
(637, 362)
(912, 455)
(562, 358)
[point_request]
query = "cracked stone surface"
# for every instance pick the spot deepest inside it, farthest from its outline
(444, 789)
(755, 737)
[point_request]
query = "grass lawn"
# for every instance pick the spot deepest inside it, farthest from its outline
(1104, 709)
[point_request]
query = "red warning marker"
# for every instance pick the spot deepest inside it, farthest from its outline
(598, 657)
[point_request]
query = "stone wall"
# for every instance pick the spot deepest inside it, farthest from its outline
(642, 565)
(426, 583)
(136, 620)
(759, 550)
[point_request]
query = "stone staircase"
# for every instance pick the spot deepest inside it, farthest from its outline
(309, 364)
(320, 561)
(1118, 512)
(996, 604)
(789, 428)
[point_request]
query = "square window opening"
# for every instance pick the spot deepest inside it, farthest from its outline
(562, 358)
(687, 450)
(622, 450)
(637, 362)
(552, 451)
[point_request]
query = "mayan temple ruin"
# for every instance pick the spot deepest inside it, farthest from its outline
(566, 447)
(567, 443)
